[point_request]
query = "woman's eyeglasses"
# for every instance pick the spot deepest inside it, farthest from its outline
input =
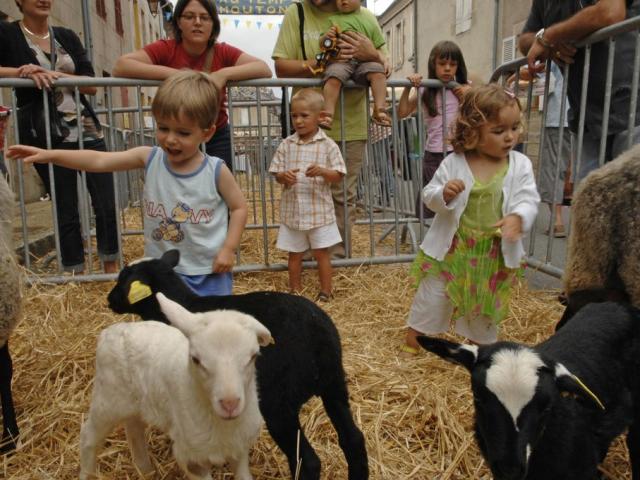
(191, 17)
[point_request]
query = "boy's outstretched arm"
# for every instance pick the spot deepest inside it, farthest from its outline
(237, 205)
(87, 160)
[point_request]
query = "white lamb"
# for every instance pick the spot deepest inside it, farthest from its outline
(196, 382)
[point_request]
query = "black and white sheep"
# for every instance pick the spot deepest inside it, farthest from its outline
(10, 313)
(603, 258)
(196, 382)
(306, 359)
(526, 425)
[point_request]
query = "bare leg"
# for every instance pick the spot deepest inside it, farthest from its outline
(559, 221)
(410, 339)
(331, 91)
(110, 266)
(295, 271)
(378, 89)
(324, 269)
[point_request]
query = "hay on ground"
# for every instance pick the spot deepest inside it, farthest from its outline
(416, 414)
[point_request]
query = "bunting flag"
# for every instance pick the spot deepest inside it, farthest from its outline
(252, 7)
(249, 24)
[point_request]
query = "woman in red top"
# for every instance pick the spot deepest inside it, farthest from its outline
(196, 25)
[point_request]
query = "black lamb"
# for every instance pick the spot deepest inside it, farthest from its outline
(550, 412)
(306, 359)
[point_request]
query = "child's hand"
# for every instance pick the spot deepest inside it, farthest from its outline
(332, 33)
(415, 79)
(452, 189)
(224, 260)
(288, 178)
(28, 154)
(511, 227)
(315, 171)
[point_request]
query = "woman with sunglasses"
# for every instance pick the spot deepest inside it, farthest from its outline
(196, 27)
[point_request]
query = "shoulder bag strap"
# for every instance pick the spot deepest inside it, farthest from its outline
(301, 18)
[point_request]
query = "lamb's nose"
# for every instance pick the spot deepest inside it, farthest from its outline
(230, 404)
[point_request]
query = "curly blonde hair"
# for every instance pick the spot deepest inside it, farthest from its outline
(479, 106)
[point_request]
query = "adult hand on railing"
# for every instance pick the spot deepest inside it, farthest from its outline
(41, 76)
(219, 79)
(563, 53)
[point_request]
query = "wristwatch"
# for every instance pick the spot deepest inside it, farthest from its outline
(541, 40)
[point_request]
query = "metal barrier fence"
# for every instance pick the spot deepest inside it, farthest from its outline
(385, 224)
(386, 227)
(592, 143)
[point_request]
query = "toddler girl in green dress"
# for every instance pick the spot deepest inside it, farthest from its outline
(484, 196)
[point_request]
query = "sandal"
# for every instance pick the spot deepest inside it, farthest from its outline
(408, 351)
(326, 121)
(324, 297)
(381, 117)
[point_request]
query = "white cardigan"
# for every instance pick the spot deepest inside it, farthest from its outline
(520, 197)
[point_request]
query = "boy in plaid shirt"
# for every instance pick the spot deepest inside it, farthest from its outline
(306, 163)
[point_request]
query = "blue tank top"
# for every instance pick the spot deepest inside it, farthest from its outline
(184, 211)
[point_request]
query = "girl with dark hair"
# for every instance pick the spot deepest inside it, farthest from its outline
(196, 27)
(446, 64)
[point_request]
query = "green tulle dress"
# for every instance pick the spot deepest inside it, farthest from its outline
(477, 280)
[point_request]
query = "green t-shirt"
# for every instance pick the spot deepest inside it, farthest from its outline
(362, 21)
(288, 47)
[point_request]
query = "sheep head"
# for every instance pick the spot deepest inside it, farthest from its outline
(139, 280)
(223, 347)
(514, 390)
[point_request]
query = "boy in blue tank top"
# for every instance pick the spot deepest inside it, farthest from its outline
(191, 200)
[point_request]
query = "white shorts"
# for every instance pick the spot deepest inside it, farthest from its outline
(292, 240)
(431, 313)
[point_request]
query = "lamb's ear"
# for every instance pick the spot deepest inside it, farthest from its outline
(263, 333)
(465, 355)
(138, 291)
(171, 258)
(568, 383)
(178, 316)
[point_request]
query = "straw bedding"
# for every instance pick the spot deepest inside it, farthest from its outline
(416, 413)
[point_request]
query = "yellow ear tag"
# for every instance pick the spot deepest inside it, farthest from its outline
(138, 291)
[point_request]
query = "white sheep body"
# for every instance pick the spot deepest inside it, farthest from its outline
(144, 376)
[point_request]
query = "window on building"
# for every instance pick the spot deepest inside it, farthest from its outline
(398, 45)
(508, 49)
(101, 9)
(387, 37)
(244, 116)
(118, 14)
(463, 15)
(143, 27)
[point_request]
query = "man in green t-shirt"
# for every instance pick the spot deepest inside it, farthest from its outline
(289, 62)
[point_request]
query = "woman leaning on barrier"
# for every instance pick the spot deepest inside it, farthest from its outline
(196, 27)
(29, 47)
